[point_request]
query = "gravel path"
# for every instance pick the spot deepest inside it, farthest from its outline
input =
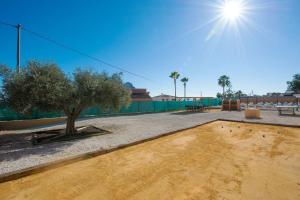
(125, 129)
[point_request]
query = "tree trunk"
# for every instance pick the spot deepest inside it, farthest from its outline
(175, 88)
(223, 92)
(184, 91)
(70, 129)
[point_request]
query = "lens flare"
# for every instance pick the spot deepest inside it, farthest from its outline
(232, 10)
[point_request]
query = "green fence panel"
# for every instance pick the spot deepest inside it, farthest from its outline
(7, 114)
(132, 108)
(90, 112)
(146, 107)
(160, 106)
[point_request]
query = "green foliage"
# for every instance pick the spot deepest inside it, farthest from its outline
(45, 87)
(219, 95)
(294, 85)
(184, 80)
(224, 81)
(238, 94)
(229, 94)
(174, 75)
(129, 85)
(37, 85)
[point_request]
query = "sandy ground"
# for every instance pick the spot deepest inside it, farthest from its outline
(17, 155)
(220, 160)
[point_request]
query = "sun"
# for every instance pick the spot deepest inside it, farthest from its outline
(232, 10)
(230, 15)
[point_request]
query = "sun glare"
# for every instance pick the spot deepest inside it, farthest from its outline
(230, 14)
(234, 17)
(232, 10)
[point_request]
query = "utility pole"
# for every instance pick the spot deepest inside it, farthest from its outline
(18, 48)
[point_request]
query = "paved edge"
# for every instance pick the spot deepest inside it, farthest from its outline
(66, 161)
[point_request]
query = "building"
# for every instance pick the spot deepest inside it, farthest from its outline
(297, 96)
(273, 94)
(190, 98)
(289, 93)
(163, 97)
(140, 94)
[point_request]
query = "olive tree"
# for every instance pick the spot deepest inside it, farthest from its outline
(46, 87)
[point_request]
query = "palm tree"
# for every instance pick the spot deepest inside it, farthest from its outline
(184, 80)
(174, 75)
(224, 81)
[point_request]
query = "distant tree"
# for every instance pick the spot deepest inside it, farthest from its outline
(224, 81)
(238, 94)
(294, 85)
(129, 85)
(174, 75)
(229, 94)
(47, 88)
(219, 95)
(184, 80)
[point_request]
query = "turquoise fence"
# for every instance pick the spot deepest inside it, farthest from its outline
(7, 114)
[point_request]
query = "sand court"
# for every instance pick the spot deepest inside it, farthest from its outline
(219, 160)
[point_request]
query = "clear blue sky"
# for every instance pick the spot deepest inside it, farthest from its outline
(155, 37)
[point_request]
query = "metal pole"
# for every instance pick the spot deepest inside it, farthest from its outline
(18, 48)
(247, 101)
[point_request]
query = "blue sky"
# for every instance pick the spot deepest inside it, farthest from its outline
(155, 37)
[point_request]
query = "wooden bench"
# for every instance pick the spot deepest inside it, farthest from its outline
(194, 108)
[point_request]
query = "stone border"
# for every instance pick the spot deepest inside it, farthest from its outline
(58, 163)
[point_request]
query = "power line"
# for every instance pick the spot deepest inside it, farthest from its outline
(82, 53)
(75, 50)
(7, 24)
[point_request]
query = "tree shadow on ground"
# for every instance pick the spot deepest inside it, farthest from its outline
(19, 150)
(14, 146)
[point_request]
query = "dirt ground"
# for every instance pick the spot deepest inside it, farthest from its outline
(220, 160)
